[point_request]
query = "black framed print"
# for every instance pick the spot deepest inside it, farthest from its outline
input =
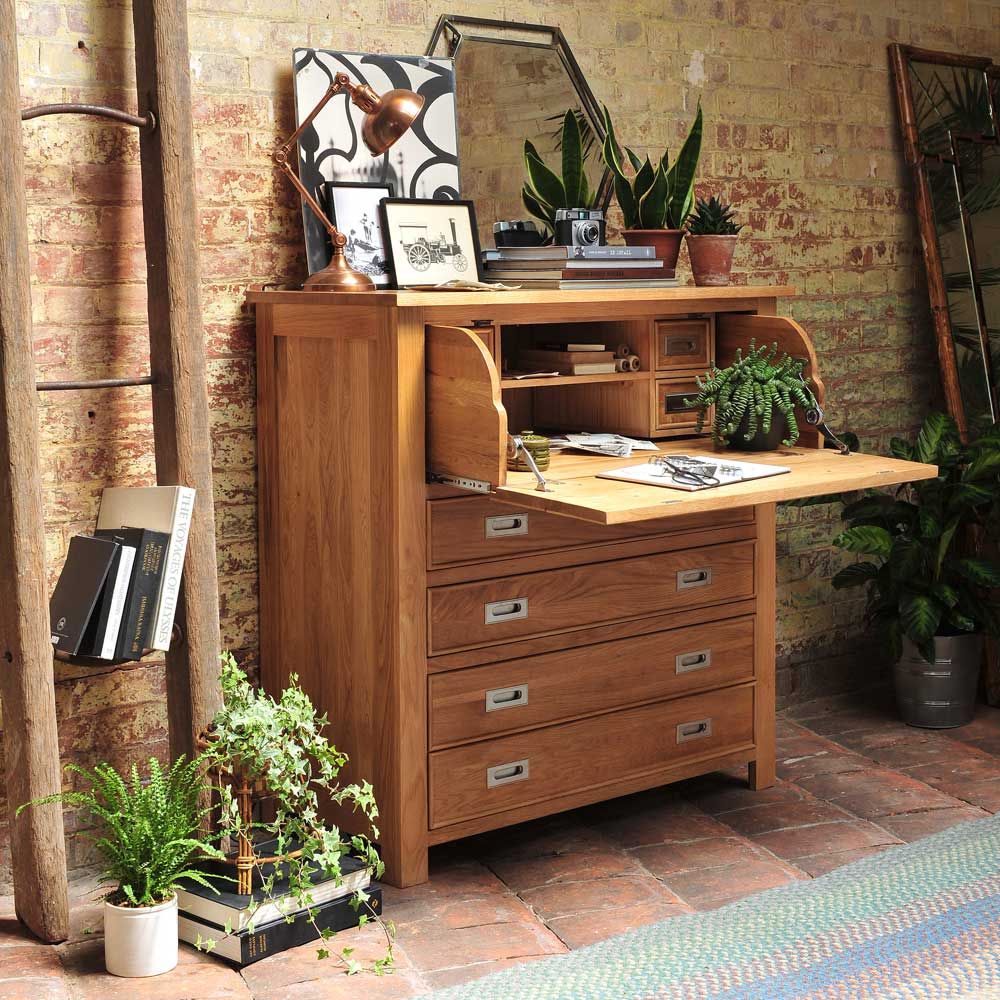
(353, 209)
(430, 242)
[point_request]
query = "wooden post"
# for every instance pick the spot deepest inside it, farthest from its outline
(177, 354)
(38, 852)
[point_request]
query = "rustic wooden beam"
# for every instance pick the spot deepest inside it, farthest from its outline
(177, 353)
(31, 745)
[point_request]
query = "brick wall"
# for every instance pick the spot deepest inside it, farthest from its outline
(801, 133)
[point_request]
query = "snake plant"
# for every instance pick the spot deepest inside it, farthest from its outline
(545, 191)
(657, 197)
(754, 386)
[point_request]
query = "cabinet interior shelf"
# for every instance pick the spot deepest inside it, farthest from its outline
(536, 383)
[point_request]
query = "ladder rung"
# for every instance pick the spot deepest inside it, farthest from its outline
(101, 383)
(97, 110)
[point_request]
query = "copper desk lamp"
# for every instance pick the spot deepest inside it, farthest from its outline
(387, 118)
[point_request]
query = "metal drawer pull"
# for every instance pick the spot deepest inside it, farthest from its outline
(506, 611)
(506, 524)
(686, 662)
(506, 774)
(510, 697)
(681, 345)
(676, 402)
(694, 730)
(688, 578)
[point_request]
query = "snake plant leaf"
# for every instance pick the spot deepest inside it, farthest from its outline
(545, 213)
(644, 180)
(869, 539)
(920, 616)
(546, 184)
(633, 159)
(682, 173)
(653, 204)
(572, 160)
(855, 575)
(611, 150)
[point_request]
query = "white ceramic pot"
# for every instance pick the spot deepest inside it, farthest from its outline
(140, 940)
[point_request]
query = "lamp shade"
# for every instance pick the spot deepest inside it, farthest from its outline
(389, 120)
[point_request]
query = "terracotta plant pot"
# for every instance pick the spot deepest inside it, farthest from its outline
(667, 243)
(711, 258)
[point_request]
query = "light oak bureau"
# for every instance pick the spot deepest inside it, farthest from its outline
(492, 653)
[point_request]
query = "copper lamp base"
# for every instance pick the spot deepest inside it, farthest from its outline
(338, 276)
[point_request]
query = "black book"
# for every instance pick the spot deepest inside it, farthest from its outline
(247, 946)
(78, 590)
(144, 588)
(101, 637)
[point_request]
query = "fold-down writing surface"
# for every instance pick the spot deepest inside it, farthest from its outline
(574, 490)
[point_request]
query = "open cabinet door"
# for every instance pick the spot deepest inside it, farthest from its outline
(466, 421)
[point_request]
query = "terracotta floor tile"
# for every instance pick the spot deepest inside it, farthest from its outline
(432, 948)
(577, 930)
(824, 838)
(781, 815)
(914, 826)
(363, 986)
(721, 793)
(802, 757)
(678, 820)
(563, 898)
(918, 752)
(820, 864)
(520, 873)
(984, 794)
(709, 888)
(878, 792)
(466, 973)
(667, 859)
(49, 988)
(22, 961)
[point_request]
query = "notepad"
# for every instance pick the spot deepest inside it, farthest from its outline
(726, 471)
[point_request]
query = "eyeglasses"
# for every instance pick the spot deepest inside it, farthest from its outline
(685, 470)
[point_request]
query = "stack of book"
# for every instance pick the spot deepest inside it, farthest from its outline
(117, 593)
(577, 267)
(565, 358)
(245, 929)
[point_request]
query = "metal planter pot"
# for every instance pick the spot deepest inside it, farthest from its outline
(941, 695)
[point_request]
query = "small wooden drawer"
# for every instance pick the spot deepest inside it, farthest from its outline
(494, 611)
(672, 411)
(539, 690)
(683, 343)
(511, 771)
(476, 529)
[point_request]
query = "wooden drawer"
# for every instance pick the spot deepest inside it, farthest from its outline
(672, 413)
(511, 771)
(477, 529)
(491, 611)
(684, 343)
(539, 690)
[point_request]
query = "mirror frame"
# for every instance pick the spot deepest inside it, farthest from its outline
(901, 57)
(454, 29)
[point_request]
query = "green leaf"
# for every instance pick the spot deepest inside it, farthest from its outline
(986, 574)
(547, 186)
(938, 431)
(986, 465)
(536, 208)
(644, 179)
(960, 621)
(946, 594)
(930, 526)
(971, 495)
(899, 448)
(633, 159)
(920, 616)
(653, 204)
(572, 159)
(868, 539)
(681, 175)
(855, 575)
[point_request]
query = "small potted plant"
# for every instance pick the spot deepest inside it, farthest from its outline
(656, 200)
(754, 399)
(711, 241)
(149, 840)
(929, 592)
(545, 191)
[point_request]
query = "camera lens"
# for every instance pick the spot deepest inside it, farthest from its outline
(589, 233)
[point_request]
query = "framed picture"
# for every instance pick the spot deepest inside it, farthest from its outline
(353, 209)
(422, 164)
(430, 242)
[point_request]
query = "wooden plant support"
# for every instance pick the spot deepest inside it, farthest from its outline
(181, 437)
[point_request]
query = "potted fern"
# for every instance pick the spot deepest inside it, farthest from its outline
(545, 191)
(656, 199)
(149, 841)
(711, 241)
(930, 592)
(754, 400)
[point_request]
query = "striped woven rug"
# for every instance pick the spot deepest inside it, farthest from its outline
(918, 922)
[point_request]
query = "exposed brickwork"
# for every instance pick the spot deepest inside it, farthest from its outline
(801, 133)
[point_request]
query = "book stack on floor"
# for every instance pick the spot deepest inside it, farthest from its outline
(577, 267)
(244, 929)
(117, 593)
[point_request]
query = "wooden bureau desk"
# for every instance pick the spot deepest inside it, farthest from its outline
(489, 657)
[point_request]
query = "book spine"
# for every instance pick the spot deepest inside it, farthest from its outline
(117, 610)
(166, 606)
(138, 617)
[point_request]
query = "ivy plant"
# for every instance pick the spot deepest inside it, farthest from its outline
(281, 744)
(925, 571)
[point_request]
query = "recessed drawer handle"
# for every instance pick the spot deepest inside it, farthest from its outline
(694, 730)
(676, 402)
(686, 662)
(688, 578)
(506, 774)
(506, 611)
(681, 345)
(509, 697)
(506, 524)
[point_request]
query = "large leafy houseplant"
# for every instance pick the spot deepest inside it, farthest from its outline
(280, 745)
(544, 190)
(924, 575)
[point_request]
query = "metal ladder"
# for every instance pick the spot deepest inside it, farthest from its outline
(181, 439)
